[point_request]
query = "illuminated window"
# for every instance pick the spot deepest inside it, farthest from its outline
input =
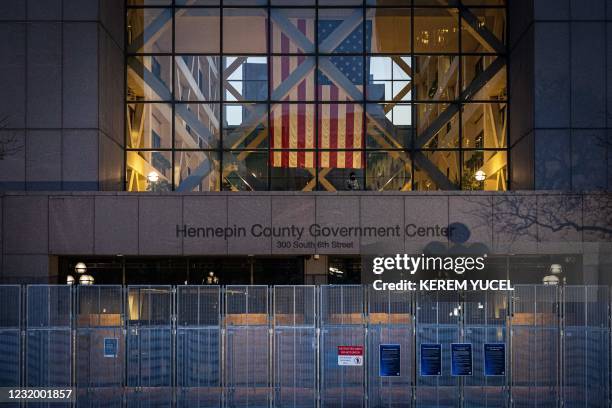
(379, 95)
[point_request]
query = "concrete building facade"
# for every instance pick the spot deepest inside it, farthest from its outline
(76, 73)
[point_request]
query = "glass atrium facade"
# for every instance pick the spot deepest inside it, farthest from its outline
(304, 95)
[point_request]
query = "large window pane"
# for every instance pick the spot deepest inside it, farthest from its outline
(245, 170)
(436, 170)
(437, 3)
(293, 31)
(438, 77)
(483, 2)
(292, 78)
(149, 78)
(293, 159)
(389, 171)
(485, 77)
(197, 2)
(340, 31)
(245, 126)
(483, 30)
(244, 30)
(389, 126)
(149, 2)
(485, 170)
(436, 30)
(245, 78)
(389, 30)
(437, 126)
(196, 171)
(340, 126)
(197, 30)
(337, 177)
(340, 78)
(340, 2)
(292, 2)
(390, 78)
(286, 178)
(149, 171)
(388, 2)
(149, 126)
(293, 126)
(149, 30)
(245, 2)
(484, 126)
(196, 126)
(197, 78)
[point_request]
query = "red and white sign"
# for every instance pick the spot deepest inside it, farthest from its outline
(350, 355)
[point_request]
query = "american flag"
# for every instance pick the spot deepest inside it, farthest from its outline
(340, 124)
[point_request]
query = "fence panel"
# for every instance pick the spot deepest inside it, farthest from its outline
(535, 339)
(149, 346)
(247, 346)
(484, 320)
(438, 322)
(198, 362)
(586, 346)
(390, 321)
(10, 337)
(295, 346)
(49, 337)
(100, 346)
(342, 324)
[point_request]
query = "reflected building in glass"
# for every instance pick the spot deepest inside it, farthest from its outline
(311, 95)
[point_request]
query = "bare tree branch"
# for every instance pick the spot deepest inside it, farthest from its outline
(520, 216)
(10, 144)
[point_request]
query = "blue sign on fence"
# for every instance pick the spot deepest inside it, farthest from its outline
(111, 347)
(431, 359)
(461, 359)
(390, 358)
(495, 359)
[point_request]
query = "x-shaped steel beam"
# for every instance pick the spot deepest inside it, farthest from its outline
(259, 113)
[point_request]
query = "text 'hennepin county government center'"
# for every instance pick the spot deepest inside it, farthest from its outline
(306, 203)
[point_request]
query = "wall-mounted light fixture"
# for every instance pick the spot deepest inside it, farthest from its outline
(86, 280)
(480, 175)
(80, 268)
(153, 177)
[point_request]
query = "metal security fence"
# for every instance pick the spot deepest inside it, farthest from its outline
(390, 321)
(49, 342)
(295, 346)
(484, 322)
(100, 320)
(438, 322)
(586, 343)
(198, 346)
(10, 337)
(306, 346)
(247, 346)
(535, 343)
(150, 345)
(343, 325)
